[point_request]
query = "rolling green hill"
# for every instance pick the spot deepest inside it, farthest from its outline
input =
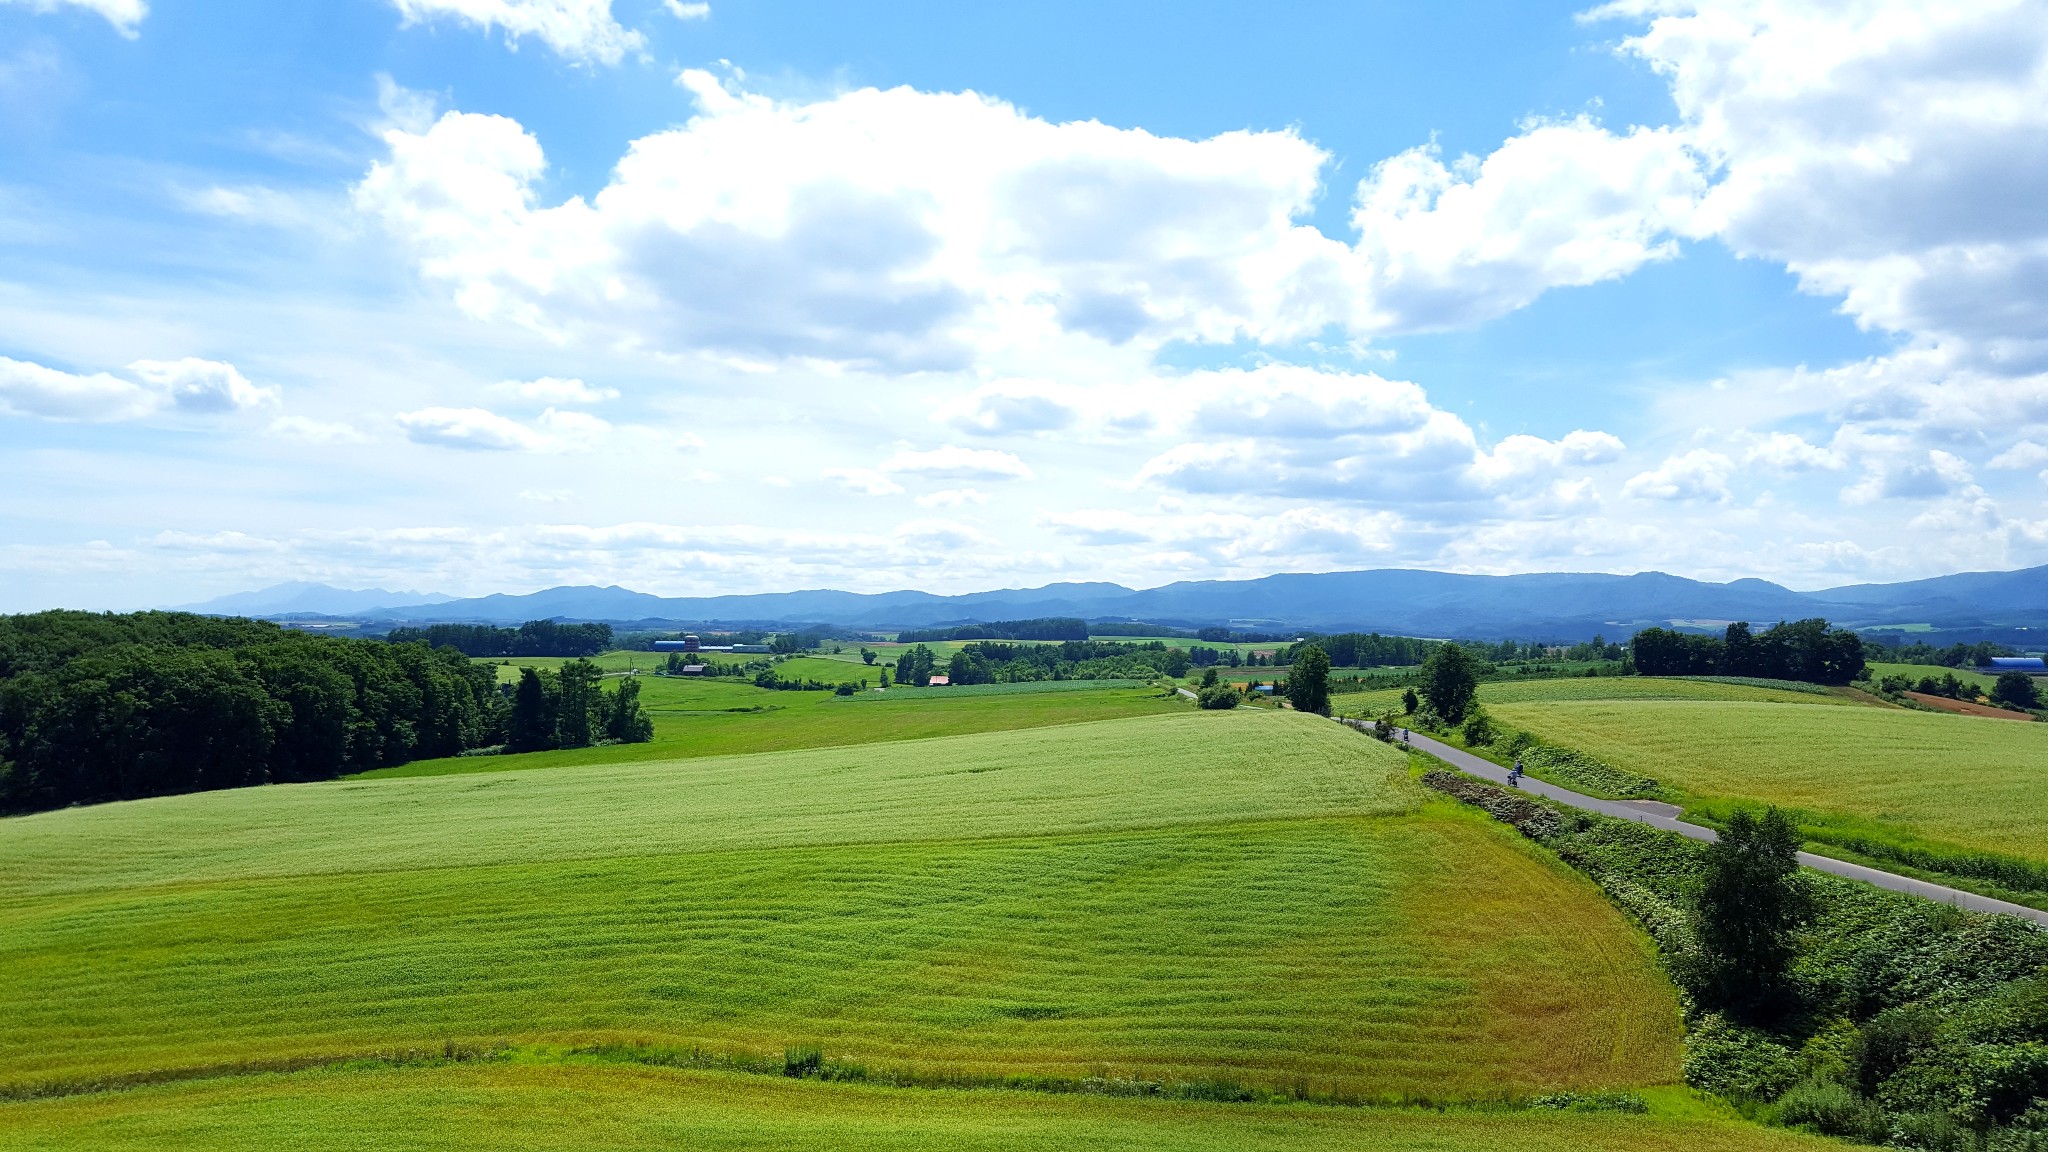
(1952, 779)
(1251, 898)
(717, 717)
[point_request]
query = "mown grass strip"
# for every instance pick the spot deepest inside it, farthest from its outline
(615, 1108)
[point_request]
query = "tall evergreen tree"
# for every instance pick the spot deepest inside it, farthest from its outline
(533, 713)
(579, 714)
(1750, 903)
(624, 721)
(1308, 682)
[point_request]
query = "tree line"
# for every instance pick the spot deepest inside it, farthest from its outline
(1805, 650)
(1046, 628)
(100, 707)
(564, 708)
(1006, 662)
(533, 638)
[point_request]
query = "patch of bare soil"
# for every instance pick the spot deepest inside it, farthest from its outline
(1965, 708)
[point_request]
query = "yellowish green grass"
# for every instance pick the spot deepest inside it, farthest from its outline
(1425, 956)
(719, 717)
(1957, 780)
(1258, 897)
(1499, 692)
(1186, 768)
(586, 1108)
(1919, 672)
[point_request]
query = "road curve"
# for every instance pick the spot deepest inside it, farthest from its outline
(1665, 816)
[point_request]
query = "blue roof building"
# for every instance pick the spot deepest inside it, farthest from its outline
(2032, 664)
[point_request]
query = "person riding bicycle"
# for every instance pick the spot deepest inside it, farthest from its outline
(1515, 774)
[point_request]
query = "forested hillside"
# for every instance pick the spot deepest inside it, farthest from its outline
(115, 707)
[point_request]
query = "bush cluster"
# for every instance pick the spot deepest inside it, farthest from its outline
(1905, 1022)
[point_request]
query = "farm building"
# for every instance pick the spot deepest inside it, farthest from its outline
(940, 681)
(2030, 664)
(686, 644)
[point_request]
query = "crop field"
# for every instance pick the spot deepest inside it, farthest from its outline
(1918, 672)
(1955, 780)
(1255, 897)
(905, 692)
(1585, 688)
(591, 1108)
(722, 717)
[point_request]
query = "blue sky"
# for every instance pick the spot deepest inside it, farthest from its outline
(479, 295)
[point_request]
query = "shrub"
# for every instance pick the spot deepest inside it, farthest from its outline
(2016, 690)
(1829, 1108)
(1930, 1132)
(802, 1060)
(844, 689)
(1737, 1062)
(1220, 696)
(1478, 730)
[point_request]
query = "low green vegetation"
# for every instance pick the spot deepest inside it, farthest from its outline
(593, 1107)
(1819, 1002)
(1250, 901)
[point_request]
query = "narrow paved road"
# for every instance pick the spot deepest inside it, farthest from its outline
(1665, 816)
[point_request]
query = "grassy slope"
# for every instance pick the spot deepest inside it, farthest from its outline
(591, 1109)
(723, 717)
(1970, 782)
(1062, 902)
(1598, 688)
(1918, 672)
(1186, 768)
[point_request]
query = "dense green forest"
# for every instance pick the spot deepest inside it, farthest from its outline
(1050, 628)
(533, 638)
(1802, 650)
(114, 707)
(1000, 662)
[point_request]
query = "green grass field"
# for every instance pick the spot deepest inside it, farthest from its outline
(718, 717)
(1919, 672)
(1252, 897)
(1586, 688)
(587, 1108)
(1956, 780)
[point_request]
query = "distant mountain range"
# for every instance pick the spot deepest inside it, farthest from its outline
(301, 598)
(1556, 605)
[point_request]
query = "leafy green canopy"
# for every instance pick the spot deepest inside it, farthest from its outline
(1801, 650)
(103, 707)
(1450, 680)
(533, 638)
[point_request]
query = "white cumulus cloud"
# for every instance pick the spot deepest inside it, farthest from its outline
(125, 15)
(190, 387)
(581, 30)
(955, 463)
(914, 230)
(480, 429)
(1889, 153)
(550, 390)
(1698, 475)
